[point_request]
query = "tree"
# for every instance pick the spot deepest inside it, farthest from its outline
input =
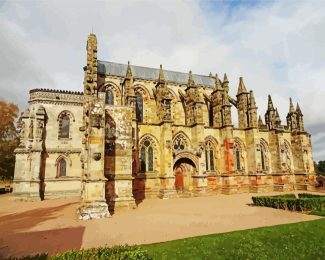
(8, 139)
(321, 167)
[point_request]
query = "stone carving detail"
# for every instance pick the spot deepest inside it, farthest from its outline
(192, 102)
(31, 130)
(97, 115)
(21, 130)
(39, 130)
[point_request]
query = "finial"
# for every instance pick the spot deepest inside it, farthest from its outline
(298, 110)
(161, 77)
(252, 99)
(190, 79)
(128, 71)
(241, 87)
(217, 82)
(260, 121)
(291, 108)
(225, 78)
(270, 103)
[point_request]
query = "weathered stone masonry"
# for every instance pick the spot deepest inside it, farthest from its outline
(137, 132)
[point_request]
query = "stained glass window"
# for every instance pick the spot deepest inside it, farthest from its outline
(109, 98)
(64, 126)
(211, 115)
(139, 107)
(206, 160)
(237, 158)
(211, 160)
(62, 168)
(263, 159)
(143, 159)
(150, 159)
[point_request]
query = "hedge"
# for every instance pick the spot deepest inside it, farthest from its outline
(305, 202)
(100, 253)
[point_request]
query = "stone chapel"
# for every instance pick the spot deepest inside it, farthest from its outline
(137, 132)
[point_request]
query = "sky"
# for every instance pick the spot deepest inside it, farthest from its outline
(277, 46)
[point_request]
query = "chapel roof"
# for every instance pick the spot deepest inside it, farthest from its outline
(117, 69)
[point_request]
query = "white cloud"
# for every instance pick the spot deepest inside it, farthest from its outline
(277, 47)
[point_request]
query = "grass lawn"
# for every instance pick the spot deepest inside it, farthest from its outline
(304, 240)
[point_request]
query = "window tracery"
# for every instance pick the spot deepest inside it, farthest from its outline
(239, 156)
(210, 156)
(180, 143)
(139, 107)
(147, 154)
(65, 124)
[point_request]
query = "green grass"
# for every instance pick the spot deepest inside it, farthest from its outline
(304, 240)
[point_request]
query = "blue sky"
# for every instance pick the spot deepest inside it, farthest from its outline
(277, 46)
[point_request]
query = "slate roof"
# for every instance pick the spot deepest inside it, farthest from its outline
(117, 69)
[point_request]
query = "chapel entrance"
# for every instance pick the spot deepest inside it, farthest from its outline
(184, 168)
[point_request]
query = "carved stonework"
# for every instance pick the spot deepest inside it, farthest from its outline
(39, 130)
(31, 130)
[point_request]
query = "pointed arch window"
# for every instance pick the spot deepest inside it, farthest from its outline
(237, 153)
(211, 115)
(209, 156)
(139, 107)
(109, 97)
(64, 126)
(62, 168)
(147, 156)
(263, 159)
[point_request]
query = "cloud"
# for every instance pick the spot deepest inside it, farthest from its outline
(276, 46)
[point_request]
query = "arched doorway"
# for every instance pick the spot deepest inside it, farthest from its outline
(184, 168)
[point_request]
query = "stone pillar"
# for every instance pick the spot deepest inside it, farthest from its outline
(167, 178)
(119, 158)
(93, 203)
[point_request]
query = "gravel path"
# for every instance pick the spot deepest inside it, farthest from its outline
(52, 226)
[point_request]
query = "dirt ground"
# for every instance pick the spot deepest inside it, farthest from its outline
(52, 226)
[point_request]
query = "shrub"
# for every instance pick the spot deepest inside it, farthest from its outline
(307, 195)
(305, 202)
(101, 253)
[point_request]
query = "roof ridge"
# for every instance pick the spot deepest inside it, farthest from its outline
(193, 74)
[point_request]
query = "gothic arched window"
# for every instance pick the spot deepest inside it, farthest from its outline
(62, 168)
(109, 98)
(143, 159)
(64, 126)
(211, 115)
(180, 143)
(139, 107)
(237, 153)
(146, 156)
(209, 156)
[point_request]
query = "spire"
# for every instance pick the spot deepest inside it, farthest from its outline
(298, 110)
(277, 118)
(128, 71)
(191, 82)
(252, 100)
(225, 79)
(270, 103)
(217, 83)
(241, 87)
(291, 108)
(161, 78)
(260, 121)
